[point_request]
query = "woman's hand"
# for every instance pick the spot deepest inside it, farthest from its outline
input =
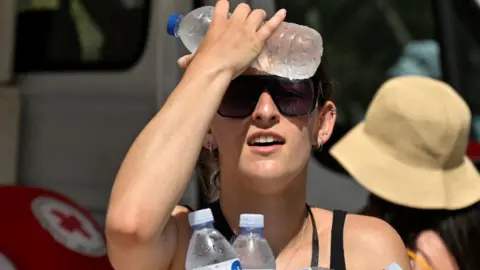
(231, 44)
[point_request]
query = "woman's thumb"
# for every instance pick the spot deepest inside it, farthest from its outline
(185, 60)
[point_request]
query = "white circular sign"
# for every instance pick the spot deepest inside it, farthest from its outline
(68, 226)
(5, 263)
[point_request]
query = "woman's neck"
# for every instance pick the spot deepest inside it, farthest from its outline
(284, 213)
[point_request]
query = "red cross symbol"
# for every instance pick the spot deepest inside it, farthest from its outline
(71, 223)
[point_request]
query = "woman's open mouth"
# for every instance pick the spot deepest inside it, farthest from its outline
(266, 144)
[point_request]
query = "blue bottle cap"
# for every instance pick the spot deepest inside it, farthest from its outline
(173, 23)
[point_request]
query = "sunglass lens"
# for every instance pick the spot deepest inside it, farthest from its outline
(239, 101)
(295, 98)
(292, 98)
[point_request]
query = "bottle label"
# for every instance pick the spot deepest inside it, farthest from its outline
(227, 265)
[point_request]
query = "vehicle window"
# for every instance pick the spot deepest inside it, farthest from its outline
(80, 34)
(367, 42)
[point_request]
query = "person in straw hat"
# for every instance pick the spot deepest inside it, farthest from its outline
(409, 152)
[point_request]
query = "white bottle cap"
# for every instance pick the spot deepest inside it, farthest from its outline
(200, 217)
(251, 221)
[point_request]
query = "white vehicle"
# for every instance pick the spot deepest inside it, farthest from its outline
(80, 78)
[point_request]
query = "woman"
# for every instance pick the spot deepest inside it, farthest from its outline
(409, 152)
(264, 128)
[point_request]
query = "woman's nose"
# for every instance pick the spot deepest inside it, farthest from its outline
(266, 112)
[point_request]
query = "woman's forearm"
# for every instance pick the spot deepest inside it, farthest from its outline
(158, 166)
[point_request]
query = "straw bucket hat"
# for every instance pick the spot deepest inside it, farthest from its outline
(410, 149)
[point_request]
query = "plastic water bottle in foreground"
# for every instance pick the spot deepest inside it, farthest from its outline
(293, 51)
(393, 266)
(208, 249)
(252, 248)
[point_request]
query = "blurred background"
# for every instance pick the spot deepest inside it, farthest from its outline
(80, 78)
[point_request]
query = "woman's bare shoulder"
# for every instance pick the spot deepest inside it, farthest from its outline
(371, 243)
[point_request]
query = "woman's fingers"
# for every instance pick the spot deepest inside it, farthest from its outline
(256, 18)
(240, 14)
(232, 43)
(220, 13)
(271, 25)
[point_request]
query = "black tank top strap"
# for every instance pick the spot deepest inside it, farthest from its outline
(315, 247)
(221, 224)
(337, 256)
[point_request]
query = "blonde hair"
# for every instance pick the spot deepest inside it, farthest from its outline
(207, 170)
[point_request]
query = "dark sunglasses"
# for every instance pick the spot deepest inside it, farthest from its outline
(291, 97)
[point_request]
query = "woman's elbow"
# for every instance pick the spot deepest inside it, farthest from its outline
(122, 227)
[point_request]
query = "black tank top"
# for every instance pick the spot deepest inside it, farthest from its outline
(337, 258)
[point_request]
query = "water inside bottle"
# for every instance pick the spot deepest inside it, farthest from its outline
(293, 51)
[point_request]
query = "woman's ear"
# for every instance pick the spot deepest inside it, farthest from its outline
(431, 247)
(327, 116)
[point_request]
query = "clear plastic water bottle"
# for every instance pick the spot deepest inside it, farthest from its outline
(208, 249)
(252, 248)
(293, 51)
(393, 266)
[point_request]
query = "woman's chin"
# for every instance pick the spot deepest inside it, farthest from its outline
(268, 174)
(264, 169)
